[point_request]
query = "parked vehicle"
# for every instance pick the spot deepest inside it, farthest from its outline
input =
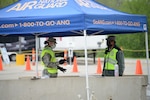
(15, 45)
(76, 45)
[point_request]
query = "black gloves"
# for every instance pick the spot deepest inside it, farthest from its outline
(61, 69)
(120, 74)
(62, 61)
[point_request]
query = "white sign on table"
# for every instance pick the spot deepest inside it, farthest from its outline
(5, 55)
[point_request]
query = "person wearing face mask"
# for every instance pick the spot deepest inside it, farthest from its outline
(51, 66)
(113, 56)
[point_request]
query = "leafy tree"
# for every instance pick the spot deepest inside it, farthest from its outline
(4, 3)
(137, 41)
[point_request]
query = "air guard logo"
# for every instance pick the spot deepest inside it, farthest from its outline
(39, 4)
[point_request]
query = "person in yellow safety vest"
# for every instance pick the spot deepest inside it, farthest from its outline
(113, 56)
(48, 58)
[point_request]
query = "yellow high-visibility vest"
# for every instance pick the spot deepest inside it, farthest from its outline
(53, 59)
(110, 59)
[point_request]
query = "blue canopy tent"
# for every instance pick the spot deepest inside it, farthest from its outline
(68, 18)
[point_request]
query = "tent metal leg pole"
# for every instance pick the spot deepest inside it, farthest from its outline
(147, 56)
(36, 63)
(86, 65)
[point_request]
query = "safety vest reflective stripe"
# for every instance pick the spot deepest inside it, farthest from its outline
(112, 61)
(110, 58)
(51, 70)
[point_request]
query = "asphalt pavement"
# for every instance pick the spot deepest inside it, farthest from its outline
(14, 71)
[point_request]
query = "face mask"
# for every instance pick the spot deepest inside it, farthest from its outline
(53, 46)
(109, 44)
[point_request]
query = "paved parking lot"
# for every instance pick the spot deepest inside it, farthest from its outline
(14, 71)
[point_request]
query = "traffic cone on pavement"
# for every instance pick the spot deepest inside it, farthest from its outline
(75, 66)
(138, 68)
(99, 69)
(33, 57)
(28, 68)
(1, 64)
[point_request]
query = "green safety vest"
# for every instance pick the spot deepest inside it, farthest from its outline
(53, 59)
(110, 59)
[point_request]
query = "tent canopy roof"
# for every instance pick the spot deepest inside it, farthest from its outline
(67, 18)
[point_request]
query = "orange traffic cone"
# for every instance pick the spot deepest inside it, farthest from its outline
(65, 57)
(33, 57)
(1, 64)
(75, 66)
(28, 68)
(99, 69)
(138, 68)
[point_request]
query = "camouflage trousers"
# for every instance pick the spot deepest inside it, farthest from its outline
(50, 75)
